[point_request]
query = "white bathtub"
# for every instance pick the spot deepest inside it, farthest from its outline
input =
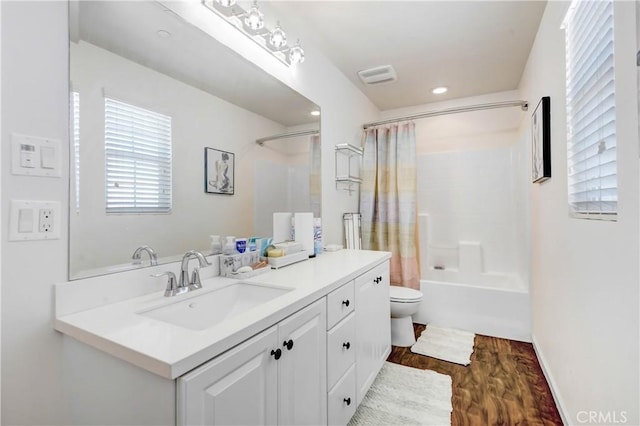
(490, 304)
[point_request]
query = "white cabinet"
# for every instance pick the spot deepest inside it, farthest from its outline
(302, 370)
(238, 387)
(341, 356)
(276, 377)
(373, 326)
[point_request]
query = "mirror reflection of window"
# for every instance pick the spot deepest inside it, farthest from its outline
(75, 128)
(137, 159)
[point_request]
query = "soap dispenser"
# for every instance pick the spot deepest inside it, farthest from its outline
(229, 245)
(216, 244)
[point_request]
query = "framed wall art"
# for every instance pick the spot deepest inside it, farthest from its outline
(219, 167)
(541, 141)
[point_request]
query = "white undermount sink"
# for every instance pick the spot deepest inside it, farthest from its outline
(207, 309)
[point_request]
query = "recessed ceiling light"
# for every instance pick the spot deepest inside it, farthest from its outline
(439, 90)
(315, 113)
(163, 34)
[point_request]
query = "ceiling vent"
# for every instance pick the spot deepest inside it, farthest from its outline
(377, 75)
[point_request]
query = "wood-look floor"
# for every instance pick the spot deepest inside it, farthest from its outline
(503, 385)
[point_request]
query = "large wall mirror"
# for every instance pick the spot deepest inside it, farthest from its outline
(150, 92)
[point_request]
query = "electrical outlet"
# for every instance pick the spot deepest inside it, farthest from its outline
(46, 221)
(34, 220)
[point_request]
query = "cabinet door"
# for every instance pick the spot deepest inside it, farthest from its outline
(238, 387)
(373, 326)
(302, 370)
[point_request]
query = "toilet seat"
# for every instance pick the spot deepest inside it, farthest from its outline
(404, 294)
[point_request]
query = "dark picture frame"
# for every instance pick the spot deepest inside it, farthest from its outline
(541, 141)
(219, 169)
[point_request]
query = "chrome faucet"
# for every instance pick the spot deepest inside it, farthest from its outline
(137, 255)
(184, 282)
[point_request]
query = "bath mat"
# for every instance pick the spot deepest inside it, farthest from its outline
(406, 396)
(446, 344)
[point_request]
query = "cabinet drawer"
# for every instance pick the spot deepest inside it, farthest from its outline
(378, 276)
(340, 303)
(342, 399)
(341, 349)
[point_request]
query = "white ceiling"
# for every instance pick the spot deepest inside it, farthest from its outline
(473, 47)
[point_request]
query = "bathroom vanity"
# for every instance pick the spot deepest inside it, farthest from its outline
(298, 345)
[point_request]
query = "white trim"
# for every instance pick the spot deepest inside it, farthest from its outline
(557, 398)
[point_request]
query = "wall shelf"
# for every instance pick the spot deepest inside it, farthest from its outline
(348, 159)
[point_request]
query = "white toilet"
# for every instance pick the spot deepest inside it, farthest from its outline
(404, 303)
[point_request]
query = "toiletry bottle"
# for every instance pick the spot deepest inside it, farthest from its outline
(216, 244)
(229, 246)
(317, 236)
(253, 246)
(241, 245)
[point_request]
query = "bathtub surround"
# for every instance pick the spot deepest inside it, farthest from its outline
(474, 174)
(446, 344)
(388, 198)
(406, 396)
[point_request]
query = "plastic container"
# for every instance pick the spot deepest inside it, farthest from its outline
(241, 245)
(317, 236)
(216, 244)
(229, 246)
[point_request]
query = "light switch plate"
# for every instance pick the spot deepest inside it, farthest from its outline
(34, 220)
(35, 156)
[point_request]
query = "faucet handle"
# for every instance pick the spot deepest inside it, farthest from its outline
(172, 284)
(195, 283)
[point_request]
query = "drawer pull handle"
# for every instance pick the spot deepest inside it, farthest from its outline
(276, 353)
(346, 345)
(377, 280)
(346, 303)
(288, 344)
(347, 401)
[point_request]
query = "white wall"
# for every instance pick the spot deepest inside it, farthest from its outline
(198, 120)
(35, 101)
(471, 182)
(585, 274)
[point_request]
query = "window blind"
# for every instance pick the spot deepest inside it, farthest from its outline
(138, 159)
(591, 114)
(75, 128)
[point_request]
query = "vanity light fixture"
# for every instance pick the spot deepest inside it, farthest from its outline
(439, 90)
(254, 19)
(252, 24)
(296, 54)
(277, 37)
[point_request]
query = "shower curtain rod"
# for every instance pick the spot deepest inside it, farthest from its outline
(261, 141)
(522, 104)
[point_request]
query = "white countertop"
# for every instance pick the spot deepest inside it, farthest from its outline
(170, 351)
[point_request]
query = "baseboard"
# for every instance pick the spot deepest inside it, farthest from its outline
(552, 384)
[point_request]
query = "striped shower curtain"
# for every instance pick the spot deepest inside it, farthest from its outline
(388, 198)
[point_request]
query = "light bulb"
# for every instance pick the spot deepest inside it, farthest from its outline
(296, 55)
(226, 3)
(278, 38)
(254, 18)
